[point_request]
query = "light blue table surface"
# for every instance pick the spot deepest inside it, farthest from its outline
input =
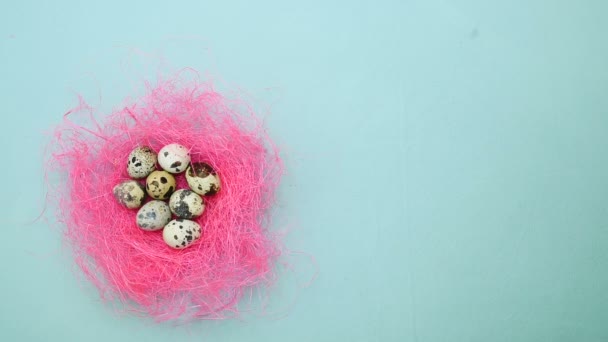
(447, 161)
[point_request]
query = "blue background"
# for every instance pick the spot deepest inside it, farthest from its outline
(446, 161)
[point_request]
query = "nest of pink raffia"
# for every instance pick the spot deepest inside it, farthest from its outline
(236, 252)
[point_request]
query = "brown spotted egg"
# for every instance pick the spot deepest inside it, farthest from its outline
(203, 179)
(130, 193)
(160, 185)
(186, 204)
(180, 233)
(154, 215)
(174, 158)
(142, 161)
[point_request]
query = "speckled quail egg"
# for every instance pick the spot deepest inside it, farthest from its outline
(154, 215)
(186, 204)
(160, 185)
(174, 158)
(203, 179)
(142, 161)
(130, 193)
(180, 233)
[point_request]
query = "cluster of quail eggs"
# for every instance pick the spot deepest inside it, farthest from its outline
(184, 204)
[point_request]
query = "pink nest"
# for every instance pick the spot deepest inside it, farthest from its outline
(235, 254)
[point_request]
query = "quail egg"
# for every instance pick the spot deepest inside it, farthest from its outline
(154, 215)
(186, 204)
(180, 233)
(142, 161)
(174, 158)
(130, 193)
(203, 179)
(160, 185)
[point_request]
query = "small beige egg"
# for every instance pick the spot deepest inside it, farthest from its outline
(130, 193)
(154, 215)
(186, 204)
(174, 158)
(203, 179)
(180, 233)
(142, 161)
(160, 185)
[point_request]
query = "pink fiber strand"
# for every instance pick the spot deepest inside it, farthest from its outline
(236, 252)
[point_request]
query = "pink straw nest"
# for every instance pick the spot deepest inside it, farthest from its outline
(236, 253)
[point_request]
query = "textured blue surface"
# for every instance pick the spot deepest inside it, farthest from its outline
(447, 161)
